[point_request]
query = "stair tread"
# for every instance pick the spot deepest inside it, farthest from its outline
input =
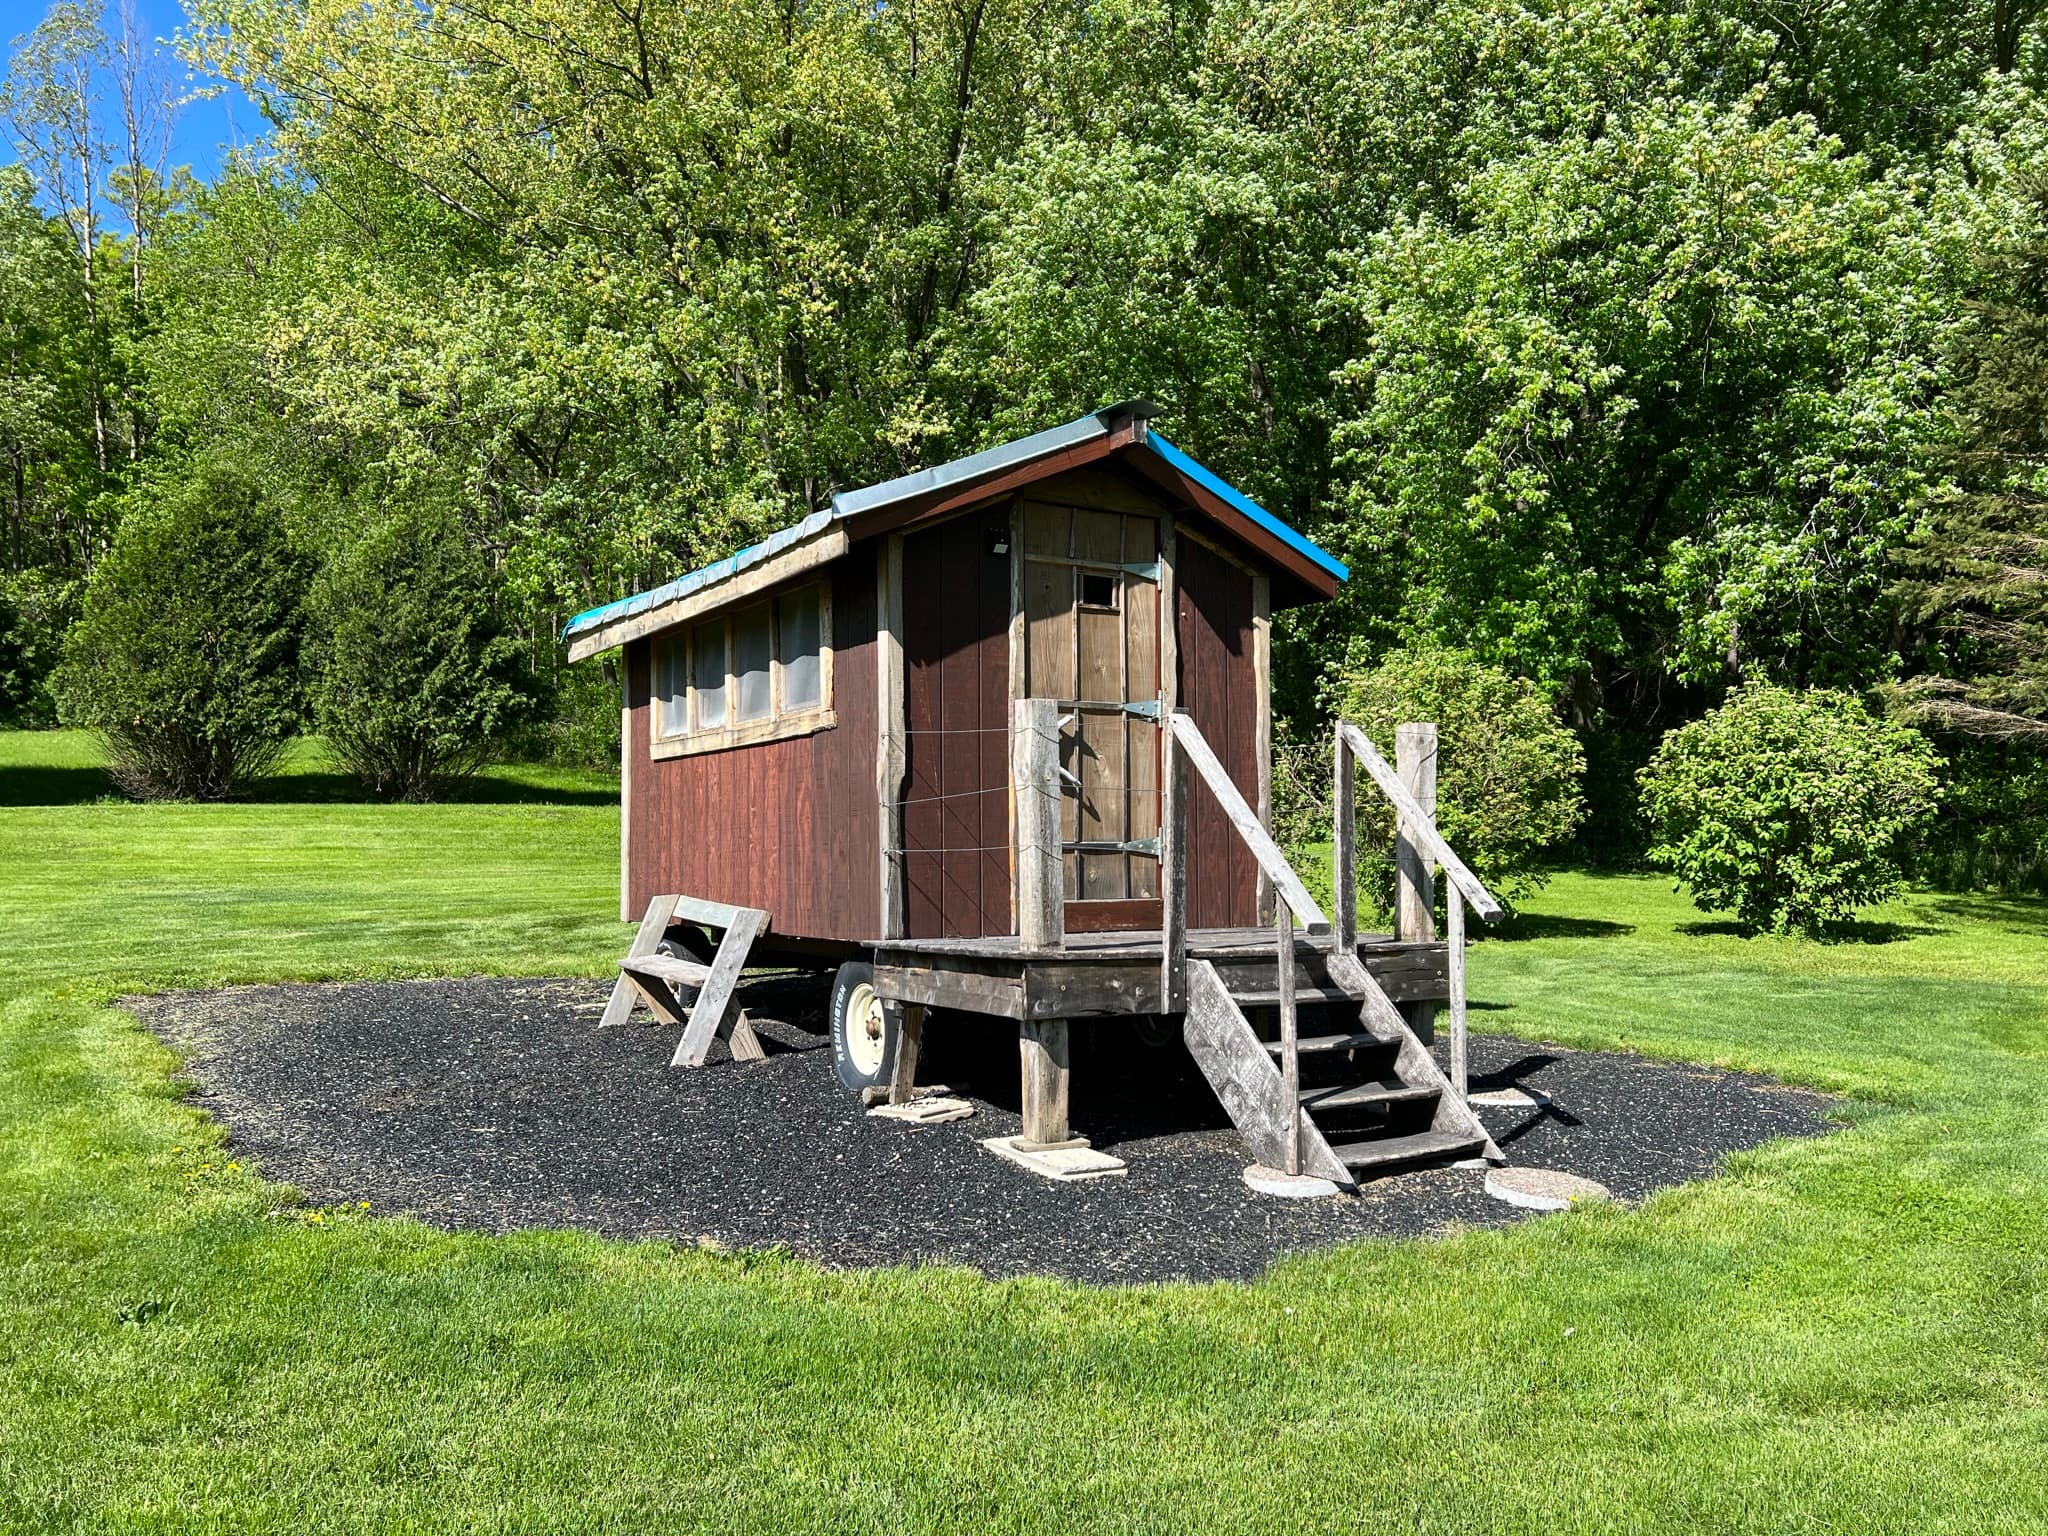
(672, 968)
(1307, 995)
(1385, 1090)
(1310, 1044)
(1407, 1149)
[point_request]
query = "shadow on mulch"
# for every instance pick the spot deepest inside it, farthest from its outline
(498, 1104)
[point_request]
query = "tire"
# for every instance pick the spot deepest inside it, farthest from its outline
(687, 943)
(863, 1029)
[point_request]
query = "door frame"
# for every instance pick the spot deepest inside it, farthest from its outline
(1105, 915)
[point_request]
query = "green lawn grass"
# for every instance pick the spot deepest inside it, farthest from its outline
(1848, 1334)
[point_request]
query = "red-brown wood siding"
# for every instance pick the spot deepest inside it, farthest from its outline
(956, 656)
(1218, 687)
(789, 826)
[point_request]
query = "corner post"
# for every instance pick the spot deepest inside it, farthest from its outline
(1035, 786)
(1042, 1044)
(1344, 846)
(1173, 870)
(1414, 869)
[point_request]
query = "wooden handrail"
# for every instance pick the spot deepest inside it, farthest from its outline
(1183, 743)
(1184, 733)
(1421, 825)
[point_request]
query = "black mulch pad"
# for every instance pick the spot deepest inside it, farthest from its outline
(491, 1105)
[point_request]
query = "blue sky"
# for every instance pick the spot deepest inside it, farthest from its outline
(204, 128)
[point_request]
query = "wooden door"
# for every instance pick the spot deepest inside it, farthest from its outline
(1091, 610)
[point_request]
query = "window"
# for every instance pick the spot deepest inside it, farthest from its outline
(1098, 590)
(761, 672)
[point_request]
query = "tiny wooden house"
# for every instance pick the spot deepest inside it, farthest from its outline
(996, 737)
(818, 726)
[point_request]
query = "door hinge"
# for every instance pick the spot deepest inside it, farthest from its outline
(1144, 709)
(1144, 572)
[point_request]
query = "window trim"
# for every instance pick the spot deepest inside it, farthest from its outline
(779, 724)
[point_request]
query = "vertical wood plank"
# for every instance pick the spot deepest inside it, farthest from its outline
(891, 757)
(1262, 720)
(1020, 683)
(626, 756)
(1041, 915)
(1173, 872)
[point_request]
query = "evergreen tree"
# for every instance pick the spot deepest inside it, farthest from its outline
(1977, 583)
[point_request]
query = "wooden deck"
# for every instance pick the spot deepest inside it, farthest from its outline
(1097, 975)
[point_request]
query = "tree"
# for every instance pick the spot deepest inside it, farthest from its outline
(413, 679)
(1507, 772)
(186, 655)
(1789, 809)
(1977, 582)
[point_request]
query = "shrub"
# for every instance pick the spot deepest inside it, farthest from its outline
(414, 681)
(185, 656)
(1788, 809)
(1507, 771)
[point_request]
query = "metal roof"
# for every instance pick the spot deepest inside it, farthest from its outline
(975, 466)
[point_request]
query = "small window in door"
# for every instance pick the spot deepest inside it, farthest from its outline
(1099, 590)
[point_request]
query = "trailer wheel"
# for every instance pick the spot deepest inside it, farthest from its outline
(863, 1028)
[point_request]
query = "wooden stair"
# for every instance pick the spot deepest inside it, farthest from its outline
(1371, 1098)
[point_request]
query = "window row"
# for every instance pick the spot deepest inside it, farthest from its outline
(751, 675)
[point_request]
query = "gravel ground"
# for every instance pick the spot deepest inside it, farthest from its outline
(491, 1105)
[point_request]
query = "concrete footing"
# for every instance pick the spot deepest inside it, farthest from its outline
(1543, 1189)
(1286, 1186)
(1066, 1163)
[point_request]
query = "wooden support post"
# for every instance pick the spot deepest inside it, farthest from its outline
(1173, 871)
(1454, 938)
(1043, 1046)
(1344, 848)
(909, 1036)
(1414, 869)
(1290, 1040)
(1035, 783)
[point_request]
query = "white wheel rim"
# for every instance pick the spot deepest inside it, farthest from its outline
(865, 1030)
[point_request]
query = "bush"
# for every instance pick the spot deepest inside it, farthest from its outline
(185, 657)
(414, 681)
(1507, 771)
(1788, 809)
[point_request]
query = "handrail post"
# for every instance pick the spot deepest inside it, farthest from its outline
(1034, 778)
(1173, 870)
(1415, 869)
(1454, 955)
(1344, 849)
(1290, 1039)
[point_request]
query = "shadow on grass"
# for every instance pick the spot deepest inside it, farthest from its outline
(1544, 925)
(2020, 914)
(36, 786)
(53, 786)
(1855, 930)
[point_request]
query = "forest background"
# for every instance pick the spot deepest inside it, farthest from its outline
(1637, 351)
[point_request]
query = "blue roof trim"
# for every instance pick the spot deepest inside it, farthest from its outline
(1224, 491)
(975, 466)
(697, 580)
